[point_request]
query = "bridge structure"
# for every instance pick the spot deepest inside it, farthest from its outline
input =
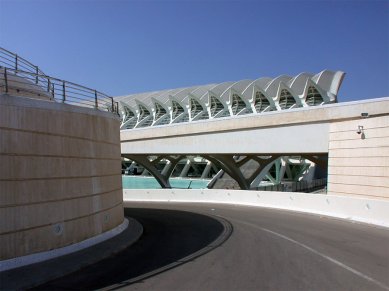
(229, 143)
(232, 113)
(285, 131)
(232, 142)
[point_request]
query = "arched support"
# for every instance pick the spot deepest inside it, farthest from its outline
(173, 162)
(151, 167)
(262, 172)
(247, 171)
(264, 166)
(233, 167)
(228, 164)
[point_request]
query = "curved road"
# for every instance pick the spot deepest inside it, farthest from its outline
(224, 247)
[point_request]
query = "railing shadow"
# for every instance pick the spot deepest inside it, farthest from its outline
(170, 238)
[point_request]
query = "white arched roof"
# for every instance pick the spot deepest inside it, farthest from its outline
(326, 83)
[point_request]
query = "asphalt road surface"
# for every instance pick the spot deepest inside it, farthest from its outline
(224, 247)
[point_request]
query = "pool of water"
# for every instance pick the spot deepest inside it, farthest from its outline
(139, 182)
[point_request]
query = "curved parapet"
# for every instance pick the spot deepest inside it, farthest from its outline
(231, 99)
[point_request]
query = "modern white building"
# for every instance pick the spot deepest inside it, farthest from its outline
(228, 99)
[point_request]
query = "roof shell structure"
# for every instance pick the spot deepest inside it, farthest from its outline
(228, 99)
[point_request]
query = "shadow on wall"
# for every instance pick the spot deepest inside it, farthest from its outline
(170, 238)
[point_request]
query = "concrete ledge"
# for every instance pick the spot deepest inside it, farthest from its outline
(372, 211)
(43, 256)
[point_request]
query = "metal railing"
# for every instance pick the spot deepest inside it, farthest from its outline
(20, 76)
(13, 61)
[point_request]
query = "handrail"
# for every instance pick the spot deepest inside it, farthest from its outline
(55, 89)
(16, 61)
(32, 80)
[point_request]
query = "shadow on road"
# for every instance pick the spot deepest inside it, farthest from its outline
(170, 238)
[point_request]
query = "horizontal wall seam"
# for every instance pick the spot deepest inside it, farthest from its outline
(64, 199)
(364, 128)
(360, 148)
(58, 178)
(365, 157)
(361, 166)
(56, 156)
(367, 176)
(361, 157)
(62, 221)
(60, 135)
(358, 137)
(363, 195)
(335, 183)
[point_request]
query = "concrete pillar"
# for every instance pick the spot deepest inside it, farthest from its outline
(206, 171)
(281, 169)
(144, 161)
(166, 168)
(184, 171)
(309, 173)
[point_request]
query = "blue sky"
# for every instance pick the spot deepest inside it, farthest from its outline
(123, 47)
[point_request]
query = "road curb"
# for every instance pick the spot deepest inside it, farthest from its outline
(36, 274)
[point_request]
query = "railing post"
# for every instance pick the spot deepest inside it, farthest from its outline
(16, 62)
(6, 80)
(63, 92)
(112, 105)
(53, 92)
(96, 104)
(48, 85)
(36, 71)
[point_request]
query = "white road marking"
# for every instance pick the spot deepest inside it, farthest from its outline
(336, 262)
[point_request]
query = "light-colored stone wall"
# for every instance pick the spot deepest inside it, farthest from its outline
(358, 164)
(60, 175)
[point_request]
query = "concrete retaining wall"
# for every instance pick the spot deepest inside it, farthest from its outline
(372, 211)
(60, 175)
(358, 164)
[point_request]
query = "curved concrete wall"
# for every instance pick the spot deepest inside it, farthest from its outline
(373, 211)
(60, 175)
